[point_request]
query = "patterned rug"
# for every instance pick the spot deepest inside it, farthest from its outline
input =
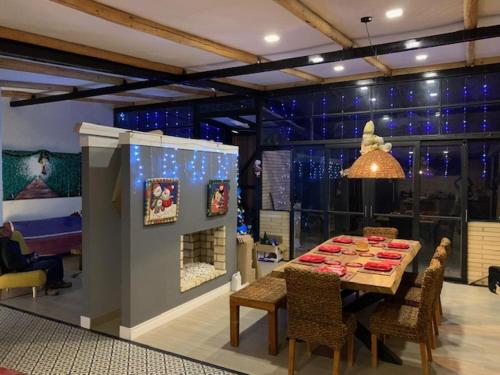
(35, 345)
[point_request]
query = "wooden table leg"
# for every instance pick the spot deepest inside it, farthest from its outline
(234, 326)
(272, 322)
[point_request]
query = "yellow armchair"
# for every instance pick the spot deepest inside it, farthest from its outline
(30, 279)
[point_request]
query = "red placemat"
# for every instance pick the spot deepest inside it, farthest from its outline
(312, 258)
(375, 238)
(389, 255)
(398, 245)
(330, 248)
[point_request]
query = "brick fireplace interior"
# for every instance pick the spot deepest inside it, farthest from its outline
(202, 257)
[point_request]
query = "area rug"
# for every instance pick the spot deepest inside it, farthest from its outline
(32, 344)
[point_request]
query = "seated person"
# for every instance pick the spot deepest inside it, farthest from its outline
(12, 260)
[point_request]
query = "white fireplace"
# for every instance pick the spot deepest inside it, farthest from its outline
(202, 257)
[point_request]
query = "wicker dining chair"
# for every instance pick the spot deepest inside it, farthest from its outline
(315, 314)
(387, 232)
(409, 322)
(416, 279)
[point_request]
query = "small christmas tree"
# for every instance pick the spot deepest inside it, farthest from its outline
(240, 216)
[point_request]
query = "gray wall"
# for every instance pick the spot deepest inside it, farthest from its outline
(150, 254)
(101, 232)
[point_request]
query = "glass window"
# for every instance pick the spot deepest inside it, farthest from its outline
(396, 196)
(308, 173)
(308, 231)
(340, 126)
(288, 107)
(345, 194)
(405, 123)
(440, 175)
(345, 224)
(406, 94)
(285, 131)
(225, 106)
(211, 133)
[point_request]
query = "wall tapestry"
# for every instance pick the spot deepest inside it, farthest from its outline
(40, 174)
(218, 197)
(161, 203)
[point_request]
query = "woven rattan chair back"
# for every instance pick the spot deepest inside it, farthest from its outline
(430, 288)
(446, 243)
(314, 306)
(441, 255)
(387, 232)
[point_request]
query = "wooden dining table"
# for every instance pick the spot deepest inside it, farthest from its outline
(374, 285)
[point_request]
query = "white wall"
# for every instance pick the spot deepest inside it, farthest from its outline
(48, 127)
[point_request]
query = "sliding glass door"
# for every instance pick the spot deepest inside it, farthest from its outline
(443, 202)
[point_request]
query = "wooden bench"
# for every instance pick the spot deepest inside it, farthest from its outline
(269, 294)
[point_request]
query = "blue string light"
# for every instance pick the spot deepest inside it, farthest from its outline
(446, 161)
(410, 163)
(169, 164)
(136, 160)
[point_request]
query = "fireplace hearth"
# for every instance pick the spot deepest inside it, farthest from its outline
(202, 257)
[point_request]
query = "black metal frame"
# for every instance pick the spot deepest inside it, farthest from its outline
(204, 79)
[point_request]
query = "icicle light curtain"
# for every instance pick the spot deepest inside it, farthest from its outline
(40, 174)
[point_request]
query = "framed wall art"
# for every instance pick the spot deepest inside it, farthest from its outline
(218, 197)
(161, 200)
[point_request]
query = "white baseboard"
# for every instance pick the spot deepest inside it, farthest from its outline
(84, 322)
(133, 332)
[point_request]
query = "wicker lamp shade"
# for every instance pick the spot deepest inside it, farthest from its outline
(376, 164)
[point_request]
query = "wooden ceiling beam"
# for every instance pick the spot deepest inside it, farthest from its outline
(147, 26)
(470, 22)
(36, 86)
(62, 45)
(27, 95)
(313, 19)
(58, 71)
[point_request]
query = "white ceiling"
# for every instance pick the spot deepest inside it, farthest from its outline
(242, 24)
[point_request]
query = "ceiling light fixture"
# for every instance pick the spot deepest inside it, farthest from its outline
(234, 131)
(430, 74)
(386, 118)
(421, 57)
(433, 94)
(430, 81)
(272, 38)
(394, 13)
(338, 68)
(412, 44)
(316, 59)
(364, 88)
(437, 114)
(373, 99)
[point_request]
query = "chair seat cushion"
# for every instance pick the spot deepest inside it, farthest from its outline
(23, 279)
(395, 320)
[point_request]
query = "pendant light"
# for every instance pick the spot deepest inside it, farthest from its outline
(375, 160)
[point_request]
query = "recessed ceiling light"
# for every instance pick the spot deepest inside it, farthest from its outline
(430, 74)
(433, 94)
(373, 99)
(364, 88)
(338, 68)
(316, 59)
(437, 114)
(272, 38)
(430, 81)
(386, 118)
(412, 44)
(234, 131)
(421, 57)
(394, 13)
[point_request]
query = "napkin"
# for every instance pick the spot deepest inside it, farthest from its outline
(378, 266)
(311, 258)
(388, 255)
(375, 238)
(342, 239)
(330, 248)
(398, 245)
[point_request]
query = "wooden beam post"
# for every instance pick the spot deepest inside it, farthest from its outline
(470, 22)
(144, 25)
(313, 19)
